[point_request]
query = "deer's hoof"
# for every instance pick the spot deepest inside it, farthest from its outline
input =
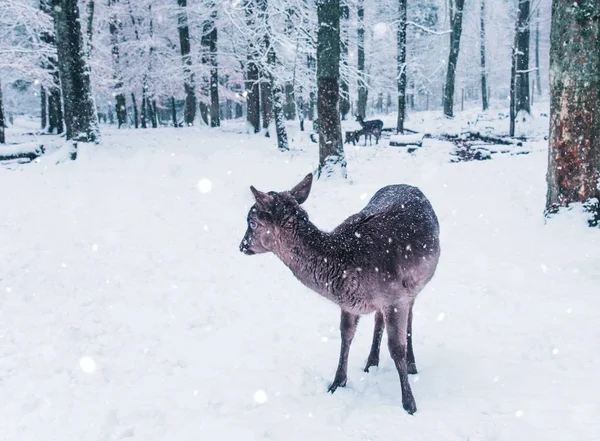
(338, 382)
(409, 405)
(370, 364)
(412, 368)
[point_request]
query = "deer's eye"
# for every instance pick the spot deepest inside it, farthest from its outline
(253, 225)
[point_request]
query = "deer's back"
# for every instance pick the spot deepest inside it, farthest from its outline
(394, 239)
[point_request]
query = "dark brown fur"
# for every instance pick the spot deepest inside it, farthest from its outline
(377, 260)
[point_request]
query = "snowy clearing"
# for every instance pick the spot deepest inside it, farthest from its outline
(128, 312)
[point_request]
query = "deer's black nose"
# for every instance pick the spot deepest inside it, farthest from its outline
(244, 248)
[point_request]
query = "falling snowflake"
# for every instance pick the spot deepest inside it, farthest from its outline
(87, 365)
(519, 413)
(555, 351)
(260, 396)
(95, 247)
(204, 185)
(441, 316)
(363, 196)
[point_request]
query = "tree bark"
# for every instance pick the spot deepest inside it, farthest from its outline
(120, 103)
(266, 77)
(174, 112)
(362, 83)
(456, 16)
(538, 80)
(215, 118)
(484, 95)
(331, 149)
(574, 153)
(252, 72)
(135, 111)
(521, 59)
(55, 113)
(2, 119)
(401, 66)
(189, 84)
(344, 37)
(80, 111)
(44, 108)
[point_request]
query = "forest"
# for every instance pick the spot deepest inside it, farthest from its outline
(159, 158)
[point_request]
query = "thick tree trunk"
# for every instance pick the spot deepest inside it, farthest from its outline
(456, 16)
(401, 66)
(252, 72)
(521, 59)
(266, 101)
(344, 37)
(189, 84)
(484, 95)
(574, 153)
(80, 111)
(143, 121)
(2, 119)
(331, 149)
(538, 80)
(362, 82)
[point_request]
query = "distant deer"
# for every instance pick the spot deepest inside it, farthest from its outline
(371, 127)
(377, 260)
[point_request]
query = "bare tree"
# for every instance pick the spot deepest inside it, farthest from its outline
(484, 92)
(362, 81)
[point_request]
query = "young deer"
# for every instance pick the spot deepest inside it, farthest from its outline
(371, 127)
(377, 260)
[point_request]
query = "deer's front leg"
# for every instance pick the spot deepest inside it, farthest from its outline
(373, 359)
(396, 320)
(348, 323)
(412, 365)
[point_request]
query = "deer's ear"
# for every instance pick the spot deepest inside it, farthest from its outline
(302, 190)
(263, 200)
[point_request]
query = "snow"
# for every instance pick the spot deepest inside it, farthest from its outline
(413, 139)
(158, 328)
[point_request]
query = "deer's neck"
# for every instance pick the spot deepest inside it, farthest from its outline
(316, 259)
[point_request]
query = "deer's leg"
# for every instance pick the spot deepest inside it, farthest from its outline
(373, 359)
(396, 320)
(348, 323)
(412, 365)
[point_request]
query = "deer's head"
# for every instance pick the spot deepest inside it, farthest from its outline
(273, 215)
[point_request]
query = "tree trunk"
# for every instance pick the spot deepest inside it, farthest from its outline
(401, 65)
(144, 110)
(80, 111)
(154, 116)
(521, 58)
(538, 80)
(574, 153)
(266, 77)
(362, 83)
(120, 104)
(512, 93)
(2, 120)
(344, 37)
(252, 72)
(456, 16)
(215, 118)
(484, 96)
(55, 113)
(44, 108)
(174, 112)
(90, 27)
(331, 149)
(135, 111)
(189, 84)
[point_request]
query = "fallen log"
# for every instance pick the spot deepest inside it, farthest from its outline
(28, 150)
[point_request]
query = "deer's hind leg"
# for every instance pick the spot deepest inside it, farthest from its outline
(348, 324)
(396, 321)
(412, 365)
(373, 359)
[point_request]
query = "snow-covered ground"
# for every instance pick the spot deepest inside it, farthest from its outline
(128, 312)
